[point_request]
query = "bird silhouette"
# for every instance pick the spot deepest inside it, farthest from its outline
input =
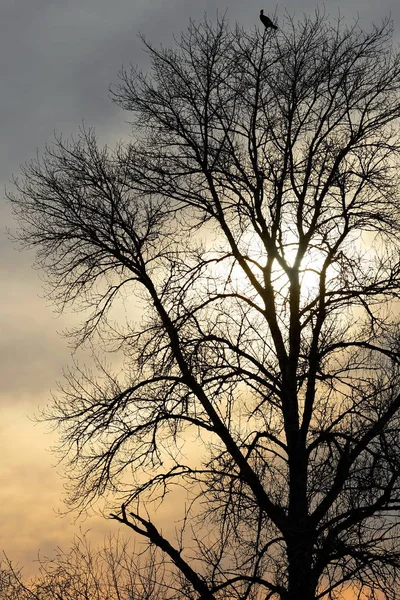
(266, 21)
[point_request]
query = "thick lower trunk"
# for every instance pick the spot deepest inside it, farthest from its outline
(300, 590)
(302, 584)
(299, 532)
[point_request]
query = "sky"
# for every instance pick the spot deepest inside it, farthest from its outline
(57, 60)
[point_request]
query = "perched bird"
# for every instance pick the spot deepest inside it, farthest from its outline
(266, 21)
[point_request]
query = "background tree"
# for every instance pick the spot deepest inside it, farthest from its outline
(255, 213)
(108, 572)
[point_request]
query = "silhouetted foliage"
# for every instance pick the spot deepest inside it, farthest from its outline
(255, 213)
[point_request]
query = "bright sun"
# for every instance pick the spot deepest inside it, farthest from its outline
(230, 271)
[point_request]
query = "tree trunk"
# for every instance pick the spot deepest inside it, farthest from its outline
(302, 584)
(300, 534)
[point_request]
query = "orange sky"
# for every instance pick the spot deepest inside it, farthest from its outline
(33, 355)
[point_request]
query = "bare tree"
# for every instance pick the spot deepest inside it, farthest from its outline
(256, 216)
(108, 572)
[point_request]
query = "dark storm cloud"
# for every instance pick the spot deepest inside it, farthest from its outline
(58, 57)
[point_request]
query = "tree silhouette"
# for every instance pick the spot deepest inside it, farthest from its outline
(110, 571)
(255, 214)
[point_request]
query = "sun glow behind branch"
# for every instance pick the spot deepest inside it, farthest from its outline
(232, 278)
